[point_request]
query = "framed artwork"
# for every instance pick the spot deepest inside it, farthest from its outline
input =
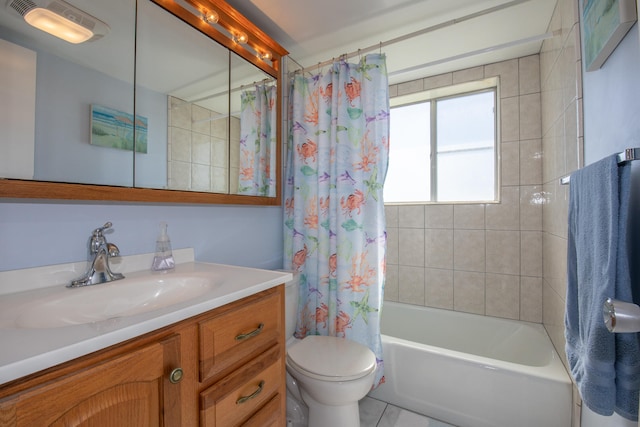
(604, 25)
(115, 129)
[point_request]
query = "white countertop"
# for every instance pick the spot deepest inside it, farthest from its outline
(25, 351)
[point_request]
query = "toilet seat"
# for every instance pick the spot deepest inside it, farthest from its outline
(331, 358)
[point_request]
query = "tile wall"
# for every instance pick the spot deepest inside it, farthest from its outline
(479, 258)
(562, 145)
(561, 77)
(198, 154)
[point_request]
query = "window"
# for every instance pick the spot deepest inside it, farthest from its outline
(443, 145)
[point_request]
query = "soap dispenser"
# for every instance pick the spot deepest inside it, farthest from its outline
(163, 260)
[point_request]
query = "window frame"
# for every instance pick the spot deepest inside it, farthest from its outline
(432, 96)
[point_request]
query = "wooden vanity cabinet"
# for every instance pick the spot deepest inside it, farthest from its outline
(168, 377)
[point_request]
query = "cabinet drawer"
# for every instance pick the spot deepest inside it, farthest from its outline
(229, 340)
(248, 395)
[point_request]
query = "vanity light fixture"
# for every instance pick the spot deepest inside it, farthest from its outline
(240, 37)
(60, 19)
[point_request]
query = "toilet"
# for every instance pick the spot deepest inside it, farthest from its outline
(326, 376)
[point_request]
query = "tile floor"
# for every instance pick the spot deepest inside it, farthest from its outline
(375, 413)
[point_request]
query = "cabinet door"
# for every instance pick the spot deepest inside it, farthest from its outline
(133, 389)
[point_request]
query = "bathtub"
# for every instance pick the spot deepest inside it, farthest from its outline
(470, 370)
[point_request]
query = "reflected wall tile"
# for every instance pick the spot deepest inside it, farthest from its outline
(180, 144)
(502, 295)
(200, 177)
(220, 178)
(469, 250)
(438, 216)
(411, 216)
(468, 292)
(200, 149)
(200, 120)
(411, 285)
(180, 176)
(503, 252)
(219, 156)
(470, 217)
(179, 113)
(219, 127)
(439, 288)
(506, 214)
(411, 247)
(439, 248)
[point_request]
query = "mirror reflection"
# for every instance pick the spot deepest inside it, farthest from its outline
(183, 113)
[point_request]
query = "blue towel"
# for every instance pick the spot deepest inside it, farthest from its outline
(605, 366)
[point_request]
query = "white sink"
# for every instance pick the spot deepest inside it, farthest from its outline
(127, 297)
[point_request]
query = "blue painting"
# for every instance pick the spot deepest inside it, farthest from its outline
(116, 129)
(604, 25)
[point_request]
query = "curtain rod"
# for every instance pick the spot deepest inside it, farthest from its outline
(415, 34)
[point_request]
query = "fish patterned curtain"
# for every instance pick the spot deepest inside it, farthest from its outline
(335, 234)
(258, 117)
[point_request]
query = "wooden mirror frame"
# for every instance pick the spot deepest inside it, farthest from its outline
(230, 20)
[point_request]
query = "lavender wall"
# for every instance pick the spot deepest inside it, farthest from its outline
(43, 233)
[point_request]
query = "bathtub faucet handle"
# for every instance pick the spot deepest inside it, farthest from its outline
(620, 316)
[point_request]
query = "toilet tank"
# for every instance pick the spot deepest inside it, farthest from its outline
(291, 304)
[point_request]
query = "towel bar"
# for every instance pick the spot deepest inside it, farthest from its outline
(627, 155)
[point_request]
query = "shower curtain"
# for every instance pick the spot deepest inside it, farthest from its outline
(335, 235)
(258, 142)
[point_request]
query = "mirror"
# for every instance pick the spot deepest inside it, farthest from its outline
(185, 119)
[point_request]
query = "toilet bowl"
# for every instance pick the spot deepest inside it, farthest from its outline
(330, 375)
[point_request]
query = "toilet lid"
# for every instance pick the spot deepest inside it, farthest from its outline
(331, 358)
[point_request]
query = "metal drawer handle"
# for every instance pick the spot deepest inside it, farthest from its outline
(243, 399)
(250, 334)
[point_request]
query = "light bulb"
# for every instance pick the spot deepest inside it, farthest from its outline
(211, 17)
(240, 37)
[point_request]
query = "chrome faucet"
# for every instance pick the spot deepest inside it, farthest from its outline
(99, 253)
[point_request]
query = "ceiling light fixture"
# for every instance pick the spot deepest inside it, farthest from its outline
(60, 19)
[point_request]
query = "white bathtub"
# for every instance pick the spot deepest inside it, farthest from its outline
(472, 371)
